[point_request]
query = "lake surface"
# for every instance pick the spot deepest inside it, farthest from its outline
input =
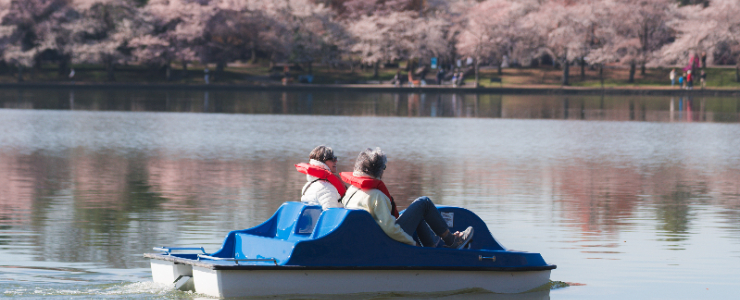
(632, 197)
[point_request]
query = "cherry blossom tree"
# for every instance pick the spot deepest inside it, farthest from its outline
(173, 29)
(315, 30)
(434, 32)
(494, 28)
(565, 29)
(380, 38)
(30, 28)
(354, 9)
(702, 29)
(102, 32)
(634, 31)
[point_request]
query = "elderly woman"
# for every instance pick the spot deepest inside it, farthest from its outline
(322, 186)
(369, 193)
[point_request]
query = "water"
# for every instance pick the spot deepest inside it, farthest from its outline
(629, 197)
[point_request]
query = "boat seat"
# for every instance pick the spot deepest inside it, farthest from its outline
(296, 221)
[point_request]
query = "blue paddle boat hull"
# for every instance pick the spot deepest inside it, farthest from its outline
(340, 251)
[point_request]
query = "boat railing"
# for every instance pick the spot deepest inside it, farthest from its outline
(168, 250)
(236, 260)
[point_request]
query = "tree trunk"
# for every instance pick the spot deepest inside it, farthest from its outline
(220, 66)
(375, 69)
(168, 71)
(185, 69)
(20, 73)
(601, 75)
(500, 71)
(476, 73)
(310, 68)
(737, 73)
(253, 59)
(633, 67)
(566, 69)
(63, 69)
(642, 68)
(110, 69)
(583, 68)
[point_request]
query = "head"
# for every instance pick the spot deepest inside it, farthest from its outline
(325, 155)
(371, 162)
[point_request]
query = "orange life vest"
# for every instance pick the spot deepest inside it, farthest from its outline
(367, 183)
(322, 174)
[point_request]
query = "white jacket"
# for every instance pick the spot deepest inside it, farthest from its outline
(320, 192)
(379, 206)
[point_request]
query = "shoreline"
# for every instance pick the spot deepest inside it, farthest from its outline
(533, 90)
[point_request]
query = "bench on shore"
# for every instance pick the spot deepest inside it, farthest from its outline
(497, 80)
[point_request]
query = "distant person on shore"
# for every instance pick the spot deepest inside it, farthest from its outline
(672, 76)
(681, 80)
(286, 74)
(703, 79)
(206, 75)
(72, 75)
(454, 79)
(323, 187)
(440, 76)
(689, 80)
(369, 193)
(397, 79)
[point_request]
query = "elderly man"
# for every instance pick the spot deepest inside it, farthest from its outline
(369, 193)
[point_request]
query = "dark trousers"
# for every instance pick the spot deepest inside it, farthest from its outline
(423, 218)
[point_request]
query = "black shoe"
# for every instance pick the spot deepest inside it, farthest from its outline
(462, 240)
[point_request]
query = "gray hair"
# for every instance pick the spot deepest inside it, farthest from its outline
(371, 162)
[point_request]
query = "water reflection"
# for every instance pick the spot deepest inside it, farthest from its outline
(597, 107)
(100, 201)
(80, 187)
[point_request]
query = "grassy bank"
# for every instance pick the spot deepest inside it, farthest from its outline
(261, 74)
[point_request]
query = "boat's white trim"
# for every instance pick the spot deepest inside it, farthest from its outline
(242, 283)
(168, 272)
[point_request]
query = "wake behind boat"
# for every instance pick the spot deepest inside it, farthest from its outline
(304, 250)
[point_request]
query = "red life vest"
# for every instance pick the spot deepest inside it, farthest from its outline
(367, 183)
(322, 174)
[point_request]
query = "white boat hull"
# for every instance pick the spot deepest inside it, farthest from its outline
(243, 283)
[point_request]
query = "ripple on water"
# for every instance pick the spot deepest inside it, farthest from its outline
(138, 290)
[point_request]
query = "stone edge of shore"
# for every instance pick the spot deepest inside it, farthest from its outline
(389, 89)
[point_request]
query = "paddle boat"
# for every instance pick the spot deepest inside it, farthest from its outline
(304, 250)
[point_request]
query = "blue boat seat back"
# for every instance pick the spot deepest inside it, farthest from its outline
(286, 219)
(304, 225)
(293, 221)
(330, 220)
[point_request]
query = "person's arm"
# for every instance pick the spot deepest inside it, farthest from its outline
(380, 207)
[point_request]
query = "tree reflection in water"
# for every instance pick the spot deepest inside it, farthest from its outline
(105, 187)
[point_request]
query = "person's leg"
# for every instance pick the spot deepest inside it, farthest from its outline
(426, 235)
(422, 214)
(422, 209)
